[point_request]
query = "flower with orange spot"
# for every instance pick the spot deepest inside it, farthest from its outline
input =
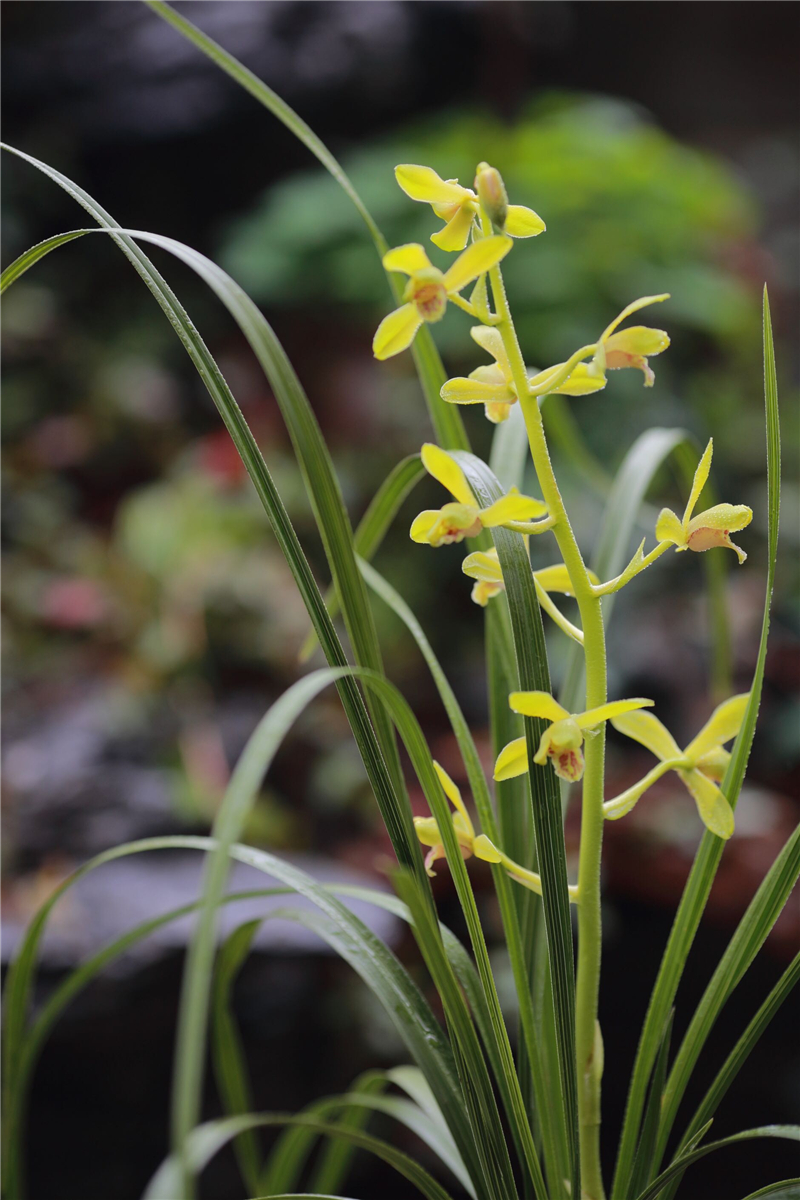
(464, 518)
(493, 385)
(428, 289)
(458, 207)
(701, 766)
(710, 528)
(561, 742)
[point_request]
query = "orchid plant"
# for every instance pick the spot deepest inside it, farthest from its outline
(505, 1102)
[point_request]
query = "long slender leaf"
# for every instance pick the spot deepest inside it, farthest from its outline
(534, 675)
(790, 1132)
(445, 418)
(643, 1167)
(227, 1053)
(373, 526)
(507, 1078)
(740, 1052)
(751, 933)
(704, 868)
(337, 1155)
(784, 1189)
(207, 1140)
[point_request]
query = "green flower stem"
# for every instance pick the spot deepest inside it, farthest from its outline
(633, 569)
(589, 1064)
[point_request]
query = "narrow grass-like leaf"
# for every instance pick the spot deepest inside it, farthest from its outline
(784, 1189)
(704, 869)
(534, 675)
(643, 1165)
(373, 526)
(207, 1140)
(740, 1052)
(344, 932)
(337, 1155)
(445, 418)
(507, 1077)
(227, 1054)
(236, 805)
(394, 807)
(789, 1132)
(751, 933)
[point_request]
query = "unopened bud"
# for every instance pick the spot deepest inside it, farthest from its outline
(492, 193)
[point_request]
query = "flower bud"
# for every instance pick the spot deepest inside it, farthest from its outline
(492, 193)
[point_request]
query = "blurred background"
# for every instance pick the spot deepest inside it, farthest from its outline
(149, 617)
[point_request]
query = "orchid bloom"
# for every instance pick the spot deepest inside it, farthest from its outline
(712, 527)
(493, 385)
(458, 207)
(428, 289)
(562, 740)
(700, 766)
(484, 567)
(427, 830)
(633, 346)
(465, 518)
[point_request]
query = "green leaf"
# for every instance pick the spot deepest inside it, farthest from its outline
(679, 1165)
(739, 1054)
(704, 868)
(388, 791)
(751, 933)
(644, 1166)
(207, 1140)
(446, 419)
(373, 526)
(534, 675)
(230, 1068)
(784, 1189)
(502, 1058)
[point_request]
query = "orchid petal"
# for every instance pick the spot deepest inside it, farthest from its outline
(512, 760)
(483, 565)
(479, 257)
(423, 183)
(446, 471)
(699, 481)
(475, 391)
(409, 259)
(537, 704)
(456, 231)
(595, 716)
(513, 507)
(522, 222)
(396, 331)
(723, 724)
(643, 302)
(714, 809)
(645, 728)
(670, 529)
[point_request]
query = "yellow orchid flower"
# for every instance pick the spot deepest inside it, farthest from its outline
(427, 830)
(454, 522)
(493, 385)
(484, 567)
(429, 289)
(458, 206)
(633, 346)
(712, 527)
(700, 766)
(562, 740)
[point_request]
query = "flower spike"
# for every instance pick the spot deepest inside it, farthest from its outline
(428, 289)
(701, 766)
(561, 742)
(710, 528)
(465, 518)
